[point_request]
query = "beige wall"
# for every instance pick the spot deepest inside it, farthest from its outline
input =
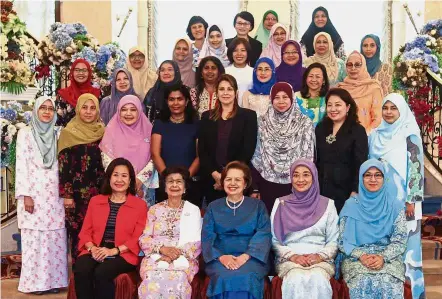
(95, 15)
(433, 10)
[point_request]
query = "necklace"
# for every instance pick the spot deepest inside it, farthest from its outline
(177, 209)
(330, 138)
(234, 207)
(177, 120)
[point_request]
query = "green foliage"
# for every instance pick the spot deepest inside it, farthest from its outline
(13, 87)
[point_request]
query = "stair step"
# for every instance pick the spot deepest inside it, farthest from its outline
(431, 249)
(432, 272)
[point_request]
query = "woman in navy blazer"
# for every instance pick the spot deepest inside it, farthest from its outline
(108, 244)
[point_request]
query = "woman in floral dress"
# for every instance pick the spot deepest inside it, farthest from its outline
(171, 242)
(80, 167)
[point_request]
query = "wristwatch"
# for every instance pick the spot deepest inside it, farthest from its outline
(118, 251)
(90, 248)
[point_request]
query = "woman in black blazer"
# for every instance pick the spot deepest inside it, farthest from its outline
(227, 133)
(342, 146)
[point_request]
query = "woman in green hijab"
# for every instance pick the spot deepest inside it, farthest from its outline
(269, 19)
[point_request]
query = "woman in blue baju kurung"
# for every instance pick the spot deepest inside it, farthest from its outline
(236, 239)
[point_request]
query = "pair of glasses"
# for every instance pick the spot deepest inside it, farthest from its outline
(280, 34)
(271, 19)
(81, 71)
(356, 65)
(178, 182)
(290, 53)
(136, 56)
(377, 176)
(46, 108)
(243, 24)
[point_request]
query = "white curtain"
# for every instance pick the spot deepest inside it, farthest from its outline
(37, 14)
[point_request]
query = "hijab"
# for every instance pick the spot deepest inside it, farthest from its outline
(281, 139)
(291, 73)
(272, 50)
(44, 133)
(259, 87)
(370, 215)
(389, 141)
(208, 50)
(312, 30)
(143, 78)
(262, 34)
(185, 66)
(300, 210)
(329, 59)
(77, 131)
(362, 86)
(71, 93)
(108, 106)
(136, 145)
(373, 63)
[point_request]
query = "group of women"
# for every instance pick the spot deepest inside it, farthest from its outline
(242, 137)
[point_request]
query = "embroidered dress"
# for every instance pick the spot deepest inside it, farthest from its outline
(259, 103)
(314, 108)
(385, 77)
(205, 101)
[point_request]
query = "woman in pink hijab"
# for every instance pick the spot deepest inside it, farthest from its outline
(278, 36)
(128, 135)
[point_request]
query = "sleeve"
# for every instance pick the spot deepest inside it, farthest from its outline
(65, 177)
(87, 229)
(330, 250)
(146, 174)
(282, 252)
(308, 142)
(22, 177)
(415, 178)
(342, 71)
(193, 98)
(132, 243)
(357, 252)
(398, 240)
(259, 244)
(360, 154)
(208, 237)
(376, 110)
(206, 163)
(158, 127)
(256, 179)
(250, 135)
(341, 53)
(147, 241)
(106, 160)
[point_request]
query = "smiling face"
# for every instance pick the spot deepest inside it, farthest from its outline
(120, 179)
(337, 109)
(269, 21)
(175, 185)
(215, 39)
(239, 55)
(320, 19)
(354, 66)
(46, 112)
(390, 112)
(181, 50)
(369, 47)
(198, 31)
(302, 179)
(122, 82)
(129, 114)
(210, 73)
(167, 73)
(290, 55)
(226, 93)
(242, 26)
(280, 36)
(176, 103)
(282, 102)
(373, 179)
(88, 112)
(234, 183)
(321, 45)
(81, 72)
(264, 72)
(315, 79)
(137, 60)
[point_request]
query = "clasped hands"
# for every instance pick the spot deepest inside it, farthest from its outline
(306, 260)
(100, 253)
(372, 261)
(169, 254)
(232, 262)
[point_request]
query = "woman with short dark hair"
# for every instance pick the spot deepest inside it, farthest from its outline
(109, 237)
(196, 30)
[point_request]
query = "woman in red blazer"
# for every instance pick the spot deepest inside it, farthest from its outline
(108, 244)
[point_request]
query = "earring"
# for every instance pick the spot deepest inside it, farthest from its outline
(184, 192)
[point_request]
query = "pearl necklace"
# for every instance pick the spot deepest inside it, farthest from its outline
(234, 205)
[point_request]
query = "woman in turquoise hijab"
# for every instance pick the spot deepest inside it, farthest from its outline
(373, 237)
(397, 141)
(269, 19)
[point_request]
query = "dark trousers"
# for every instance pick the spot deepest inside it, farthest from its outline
(95, 280)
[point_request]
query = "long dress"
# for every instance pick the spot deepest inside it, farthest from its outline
(163, 229)
(385, 283)
(80, 177)
(321, 238)
(225, 232)
(44, 244)
(385, 77)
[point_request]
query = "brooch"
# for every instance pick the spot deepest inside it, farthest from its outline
(330, 139)
(146, 140)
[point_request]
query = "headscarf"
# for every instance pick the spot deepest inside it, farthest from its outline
(300, 210)
(329, 59)
(108, 107)
(307, 38)
(370, 215)
(389, 141)
(143, 78)
(71, 93)
(291, 73)
(281, 139)
(373, 63)
(363, 85)
(185, 66)
(259, 87)
(44, 133)
(77, 131)
(130, 142)
(272, 50)
(208, 50)
(262, 34)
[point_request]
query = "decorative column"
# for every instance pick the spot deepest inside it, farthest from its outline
(142, 21)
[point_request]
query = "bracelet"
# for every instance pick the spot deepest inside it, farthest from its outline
(118, 250)
(90, 248)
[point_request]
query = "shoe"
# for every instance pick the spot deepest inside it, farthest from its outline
(38, 293)
(54, 291)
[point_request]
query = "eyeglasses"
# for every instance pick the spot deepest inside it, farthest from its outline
(46, 108)
(243, 24)
(304, 176)
(280, 34)
(290, 53)
(81, 71)
(136, 56)
(270, 19)
(378, 176)
(356, 65)
(264, 70)
(178, 182)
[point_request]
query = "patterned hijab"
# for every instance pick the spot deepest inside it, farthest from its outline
(208, 50)
(373, 63)
(44, 133)
(370, 215)
(272, 50)
(259, 87)
(185, 66)
(143, 78)
(77, 131)
(300, 210)
(329, 59)
(130, 142)
(71, 93)
(109, 107)
(281, 139)
(291, 74)
(262, 34)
